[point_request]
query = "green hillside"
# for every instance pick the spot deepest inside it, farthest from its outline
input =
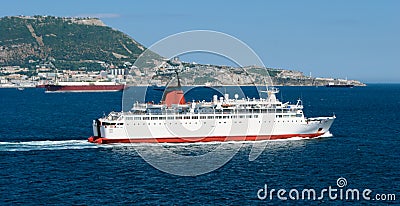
(66, 42)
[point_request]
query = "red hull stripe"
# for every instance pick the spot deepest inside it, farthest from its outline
(101, 140)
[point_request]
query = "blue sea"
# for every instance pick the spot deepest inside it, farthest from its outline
(45, 158)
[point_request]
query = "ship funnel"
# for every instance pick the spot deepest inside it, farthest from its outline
(174, 97)
(174, 94)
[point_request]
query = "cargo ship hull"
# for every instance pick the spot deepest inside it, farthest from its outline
(84, 88)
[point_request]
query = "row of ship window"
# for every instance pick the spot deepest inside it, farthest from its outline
(191, 117)
(216, 111)
(288, 121)
(111, 123)
(205, 117)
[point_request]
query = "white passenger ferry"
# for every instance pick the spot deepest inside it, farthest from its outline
(222, 119)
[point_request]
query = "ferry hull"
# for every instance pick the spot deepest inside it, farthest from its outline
(101, 140)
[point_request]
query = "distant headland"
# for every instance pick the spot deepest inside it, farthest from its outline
(37, 49)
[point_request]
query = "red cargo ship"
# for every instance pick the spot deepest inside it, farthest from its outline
(83, 87)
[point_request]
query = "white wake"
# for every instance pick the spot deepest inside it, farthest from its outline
(46, 145)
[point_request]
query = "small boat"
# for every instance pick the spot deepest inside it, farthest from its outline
(212, 85)
(340, 85)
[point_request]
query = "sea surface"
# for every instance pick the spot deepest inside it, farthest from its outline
(45, 158)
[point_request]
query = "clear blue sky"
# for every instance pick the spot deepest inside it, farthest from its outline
(358, 39)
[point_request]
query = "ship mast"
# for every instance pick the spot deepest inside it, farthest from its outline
(177, 76)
